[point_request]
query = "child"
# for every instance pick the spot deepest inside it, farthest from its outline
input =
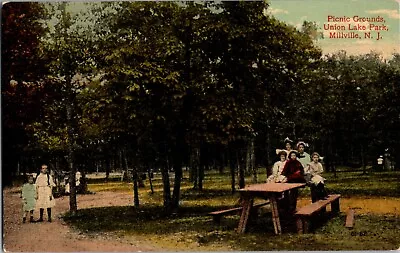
(28, 196)
(313, 173)
(44, 185)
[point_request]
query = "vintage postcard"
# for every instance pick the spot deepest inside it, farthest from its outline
(131, 126)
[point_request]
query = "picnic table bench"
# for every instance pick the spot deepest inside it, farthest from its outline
(304, 214)
(232, 211)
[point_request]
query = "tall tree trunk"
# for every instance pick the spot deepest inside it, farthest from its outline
(248, 158)
(241, 170)
(72, 170)
(150, 175)
(363, 162)
(167, 189)
(268, 151)
(202, 166)
(135, 188)
(200, 175)
(177, 183)
(221, 161)
(195, 167)
(253, 162)
(135, 180)
(232, 166)
(108, 167)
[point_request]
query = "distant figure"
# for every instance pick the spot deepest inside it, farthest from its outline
(44, 186)
(303, 156)
(77, 182)
(380, 163)
(28, 195)
(277, 169)
(314, 179)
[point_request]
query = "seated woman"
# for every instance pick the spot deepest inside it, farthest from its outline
(314, 179)
(293, 170)
(276, 176)
(294, 173)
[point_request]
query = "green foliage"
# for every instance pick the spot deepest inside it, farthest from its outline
(22, 66)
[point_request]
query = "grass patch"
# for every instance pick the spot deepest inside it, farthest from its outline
(192, 229)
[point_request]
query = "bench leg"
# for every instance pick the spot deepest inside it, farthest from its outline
(244, 217)
(299, 224)
(306, 225)
(335, 206)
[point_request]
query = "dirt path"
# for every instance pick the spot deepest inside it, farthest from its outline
(57, 236)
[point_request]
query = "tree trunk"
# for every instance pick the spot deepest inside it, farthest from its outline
(241, 171)
(135, 188)
(135, 180)
(202, 166)
(150, 174)
(253, 162)
(72, 170)
(232, 166)
(195, 157)
(221, 161)
(167, 189)
(108, 167)
(178, 178)
(248, 158)
(363, 162)
(268, 150)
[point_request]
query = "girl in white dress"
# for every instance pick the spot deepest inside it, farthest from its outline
(44, 186)
(276, 176)
(313, 177)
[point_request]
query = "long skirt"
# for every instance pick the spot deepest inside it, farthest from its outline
(45, 197)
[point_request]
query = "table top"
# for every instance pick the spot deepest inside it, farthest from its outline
(272, 187)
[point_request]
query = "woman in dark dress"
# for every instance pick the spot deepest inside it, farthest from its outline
(294, 173)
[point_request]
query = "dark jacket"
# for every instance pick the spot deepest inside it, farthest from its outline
(294, 172)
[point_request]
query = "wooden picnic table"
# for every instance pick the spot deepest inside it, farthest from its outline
(271, 191)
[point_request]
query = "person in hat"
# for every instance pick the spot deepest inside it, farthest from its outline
(288, 147)
(44, 186)
(314, 179)
(303, 156)
(28, 195)
(276, 176)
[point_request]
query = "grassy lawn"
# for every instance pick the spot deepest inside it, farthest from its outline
(191, 229)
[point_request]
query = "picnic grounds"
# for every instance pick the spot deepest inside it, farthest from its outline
(177, 126)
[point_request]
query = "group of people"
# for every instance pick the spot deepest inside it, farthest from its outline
(297, 166)
(38, 194)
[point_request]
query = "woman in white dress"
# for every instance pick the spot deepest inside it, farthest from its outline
(314, 179)
(276, 176)
(44, 186)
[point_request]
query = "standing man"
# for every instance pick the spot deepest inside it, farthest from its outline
(303, 157)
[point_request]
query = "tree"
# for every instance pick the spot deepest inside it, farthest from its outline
(23, 65)
(67, 45)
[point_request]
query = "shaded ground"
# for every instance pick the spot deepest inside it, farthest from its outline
(57, 236)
